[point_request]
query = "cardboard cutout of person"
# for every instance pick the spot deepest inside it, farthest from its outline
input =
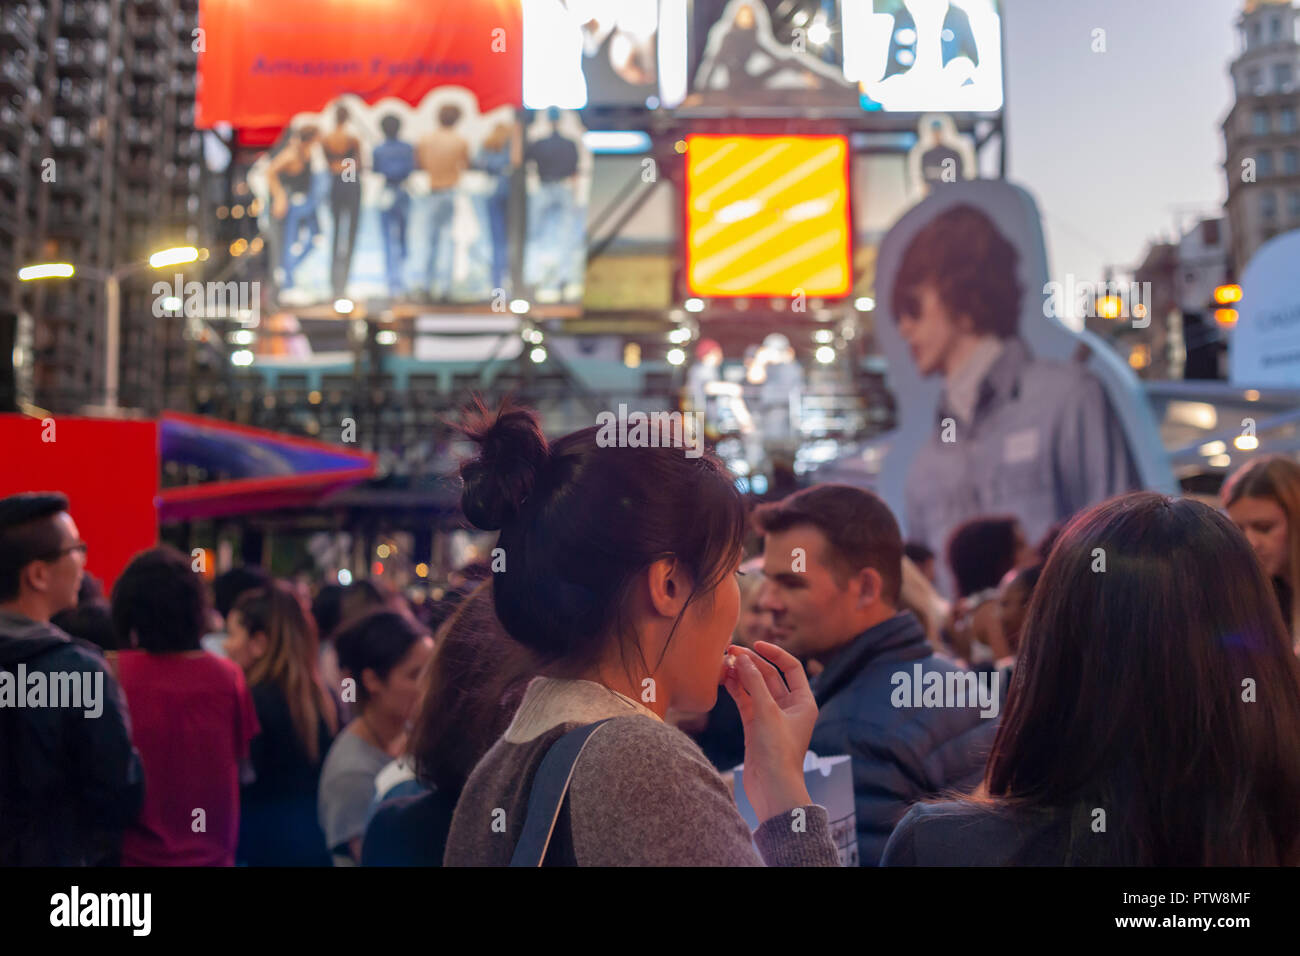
(998, 414)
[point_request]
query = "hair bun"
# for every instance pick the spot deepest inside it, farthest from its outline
(512, 450)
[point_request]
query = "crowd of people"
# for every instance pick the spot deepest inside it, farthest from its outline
(654, 630)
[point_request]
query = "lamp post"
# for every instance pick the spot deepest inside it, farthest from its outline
(112, 280)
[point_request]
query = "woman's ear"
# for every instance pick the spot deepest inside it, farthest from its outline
(371, 682)
(667, 588)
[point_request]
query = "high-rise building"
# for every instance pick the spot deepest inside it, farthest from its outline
(99, 165)
(1262, 130)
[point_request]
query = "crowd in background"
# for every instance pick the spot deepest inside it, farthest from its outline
(251, 723)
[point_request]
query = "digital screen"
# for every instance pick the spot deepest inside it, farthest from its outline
(924, 55)
(755, 54)
(580, 53)
(767, 216)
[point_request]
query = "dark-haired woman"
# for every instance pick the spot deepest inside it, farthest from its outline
(191, 716)
(474, 683)
(620, 578)
(1154, 716)
(270, 635)
(1263, 500)
(383, 654)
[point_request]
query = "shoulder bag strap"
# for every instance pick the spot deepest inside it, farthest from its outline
(550, 786)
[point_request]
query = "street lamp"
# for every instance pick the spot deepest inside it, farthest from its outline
(112, 280)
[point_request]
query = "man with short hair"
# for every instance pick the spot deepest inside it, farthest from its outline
(832, 575)
(70, 779)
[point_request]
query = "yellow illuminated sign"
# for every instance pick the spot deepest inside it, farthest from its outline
(767, 216)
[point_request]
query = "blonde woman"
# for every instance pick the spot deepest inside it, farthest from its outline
(273, 638)
(1263, 500)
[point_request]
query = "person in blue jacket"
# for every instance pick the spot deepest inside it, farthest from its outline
(832, 579)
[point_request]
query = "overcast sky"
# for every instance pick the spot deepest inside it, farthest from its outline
(1110, 144)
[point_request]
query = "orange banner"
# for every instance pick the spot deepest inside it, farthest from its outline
(262, 62)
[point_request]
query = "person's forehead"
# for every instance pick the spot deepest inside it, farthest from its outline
(1256, 509)
(779, 544)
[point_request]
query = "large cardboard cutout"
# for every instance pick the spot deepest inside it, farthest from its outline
(1033, 425)
(1265, 349)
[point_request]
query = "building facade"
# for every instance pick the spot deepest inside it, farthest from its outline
(99, 165)
(1262, 130)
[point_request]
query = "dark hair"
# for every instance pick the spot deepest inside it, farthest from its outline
(391, 124)
(376, 641)
(860, 528)
(448, 115)
(1146, 690)
(475, 683)
(580, 520)
(1027, 578)
(981, 551)
(971, 265)
(92, 621)
(326, 609)
(28, 533)
(365, 596)
(161, 600)
(229, 585)
(340, 114)
(1046, 545)
(917, 553)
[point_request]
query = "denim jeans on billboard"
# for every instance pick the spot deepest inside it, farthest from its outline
(496, 215)
(552, 232)
(393, 218)
(442, 207)
(302, 212)
(345, 207)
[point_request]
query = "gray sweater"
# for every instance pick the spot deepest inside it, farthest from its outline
(642, 794)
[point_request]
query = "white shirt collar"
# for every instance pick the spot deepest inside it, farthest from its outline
(963, 386)
(551, 700)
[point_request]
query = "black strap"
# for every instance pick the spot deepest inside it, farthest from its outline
(550, 786)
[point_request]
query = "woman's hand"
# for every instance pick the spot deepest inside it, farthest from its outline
(778, 716)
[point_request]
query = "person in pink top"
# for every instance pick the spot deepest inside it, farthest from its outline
(191, 713)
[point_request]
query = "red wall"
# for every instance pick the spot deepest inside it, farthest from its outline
(108, 469)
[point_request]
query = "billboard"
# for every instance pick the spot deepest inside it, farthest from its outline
(925, 55)
(745, 53)
(261, 63)
(422, 204)
(580, 53)
(767, 216)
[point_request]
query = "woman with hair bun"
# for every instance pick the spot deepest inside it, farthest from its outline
(620, 578)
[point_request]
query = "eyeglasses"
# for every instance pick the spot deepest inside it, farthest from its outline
(78, 546)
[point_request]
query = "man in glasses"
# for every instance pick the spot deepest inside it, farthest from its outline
(70, 779)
